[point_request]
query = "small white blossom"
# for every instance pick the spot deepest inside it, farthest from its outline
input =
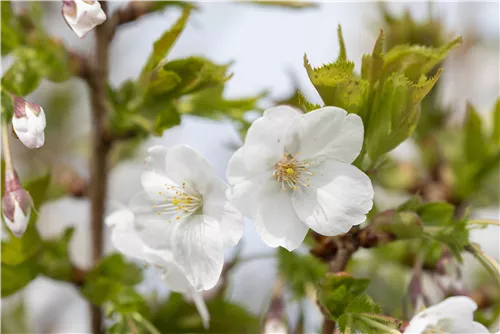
(192, 216)
(28, 123)
(454, 315)
(83, 15)
(16, 205)
(126, 240)
(294, 172)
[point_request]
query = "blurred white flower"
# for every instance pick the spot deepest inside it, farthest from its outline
(83, 15)
(28, 123)
(126, 240)
(192, 216)
(454, 315)
(294, 172)
(16, 204)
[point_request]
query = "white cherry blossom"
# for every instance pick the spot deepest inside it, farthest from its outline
(192, 216)
(454, 315)
(83, 15)
(126, 240)
(294, 172)
(28, 123)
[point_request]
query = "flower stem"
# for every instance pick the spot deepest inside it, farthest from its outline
(6, 146)
(482, 222)
(488, 263)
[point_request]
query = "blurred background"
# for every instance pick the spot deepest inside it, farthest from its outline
(266, 45)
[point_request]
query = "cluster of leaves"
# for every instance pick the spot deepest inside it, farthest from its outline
(346, 302)
(37, 55)
(386, 95)
(166, 88)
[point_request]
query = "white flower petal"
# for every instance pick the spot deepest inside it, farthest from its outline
(265, 138)
(183, 164)
(339, 197)
(155, 186)
(276, 220)
(453, 315)
(85, 16)
(30, 128)
(230, 220)
(326, 132)
(123, 235)
(245, 185)
(198, 249)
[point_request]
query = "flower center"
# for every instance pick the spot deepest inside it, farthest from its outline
(178, 202)
(292, 172)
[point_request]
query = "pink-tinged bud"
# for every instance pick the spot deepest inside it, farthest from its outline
(82, 16)
(16, 204)
(28, 123)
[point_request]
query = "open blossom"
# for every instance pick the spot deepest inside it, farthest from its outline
(294, 172)
(16, 204)
(126, 240)
(83, 15)
(454, 315)
(192, 217)
(28, 123)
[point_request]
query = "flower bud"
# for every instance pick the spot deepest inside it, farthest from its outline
(16, 204)
(28, 123)
(83, 15)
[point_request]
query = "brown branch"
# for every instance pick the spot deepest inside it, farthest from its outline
(130, 13)
(96, 78)
(274, 319)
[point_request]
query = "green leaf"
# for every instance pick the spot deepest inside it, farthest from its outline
(115, 268)
(7, 106)
(495, 136)
(54, 259)
(405, 225)
(16, 277)
(17, 250)
(436, 213)
(50, 59)
(10, 39)
(167, 116)
(415, 60)
(300, 270)
(178, 316)
(163, 45)
(196, 73)
(395, 113)
(21, 78)
(362, 304)
(337, 85)
(210, 103)
(101, 290)
(476, 146)
(335, 292)
(163, 81)
(342, 53)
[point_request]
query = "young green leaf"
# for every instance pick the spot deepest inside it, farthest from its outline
(163, 45)
(300, 270)
(16, 277)
(476, 146)
(54, 260)
(178, 316)
(335, 292)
